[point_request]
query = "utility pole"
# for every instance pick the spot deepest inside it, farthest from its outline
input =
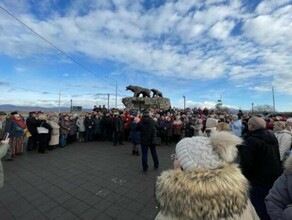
(59, 100)
(184, 102)
(108, 98)
(116, 106)
(252, 108)
(274, 109)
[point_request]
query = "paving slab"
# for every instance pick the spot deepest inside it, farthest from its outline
(94, 180)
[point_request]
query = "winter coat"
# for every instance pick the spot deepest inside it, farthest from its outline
(6, 127)
(3, 151)
(284, 138)
(204, 194)
(177, 125)
(134, 134)
(236, 127)
(279, 199)
(146, 127)
(55, 133)
(73, 127)
(65, 126)
(88, 122)
(118, 124)
(32, 124)
(15, 130)
(97, 126)
(80, 124)
(260, 158)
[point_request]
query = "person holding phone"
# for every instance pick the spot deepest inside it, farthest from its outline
(5, 125)
(3, 150)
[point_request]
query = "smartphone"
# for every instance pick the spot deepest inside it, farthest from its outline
(6, 136)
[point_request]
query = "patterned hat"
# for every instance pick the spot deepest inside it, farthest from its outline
(209, 153)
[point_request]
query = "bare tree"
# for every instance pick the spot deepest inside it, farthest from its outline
(264, 109)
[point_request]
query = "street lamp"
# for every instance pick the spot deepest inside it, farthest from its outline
(184, 102)
(59, 100)
(59, 105)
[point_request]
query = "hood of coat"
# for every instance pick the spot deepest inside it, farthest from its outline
(288, 164)
(283, 132)
(203, 193)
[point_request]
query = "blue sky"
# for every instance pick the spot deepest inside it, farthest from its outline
(200, 49)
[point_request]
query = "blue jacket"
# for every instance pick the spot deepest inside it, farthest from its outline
(134, 135)
(279, 199)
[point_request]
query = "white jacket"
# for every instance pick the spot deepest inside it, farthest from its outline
(284, 138)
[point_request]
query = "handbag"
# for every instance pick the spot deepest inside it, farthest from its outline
(155, 139)
(42, 130)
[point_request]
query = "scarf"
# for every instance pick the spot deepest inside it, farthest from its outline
(20, 123)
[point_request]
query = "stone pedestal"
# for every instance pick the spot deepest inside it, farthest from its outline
(143, 103)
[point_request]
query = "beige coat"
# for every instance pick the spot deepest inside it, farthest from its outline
(3, 151)
(55, 133)
(204, 194)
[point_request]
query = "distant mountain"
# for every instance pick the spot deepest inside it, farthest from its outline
(10, 108)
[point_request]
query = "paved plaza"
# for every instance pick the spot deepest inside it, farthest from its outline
(82, 181)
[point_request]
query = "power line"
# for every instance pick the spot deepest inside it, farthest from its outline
(54, 46)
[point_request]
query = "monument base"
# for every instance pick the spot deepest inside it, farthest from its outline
(144, 103)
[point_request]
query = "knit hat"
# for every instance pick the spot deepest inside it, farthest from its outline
(208, 153)
(256, 122)
(211, 123)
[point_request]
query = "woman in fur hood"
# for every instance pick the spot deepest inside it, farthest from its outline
(279, 199)
(205, 184)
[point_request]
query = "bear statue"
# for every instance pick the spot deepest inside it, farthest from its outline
(139, 90)
(156, 93)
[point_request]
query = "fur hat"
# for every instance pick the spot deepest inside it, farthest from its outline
(280, 124)
(256, 123)
(208, 153)
(211, 123)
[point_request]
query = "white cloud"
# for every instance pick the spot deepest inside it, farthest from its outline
(221, 30)
(174, 40)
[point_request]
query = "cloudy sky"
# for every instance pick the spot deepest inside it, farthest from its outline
(205, 50)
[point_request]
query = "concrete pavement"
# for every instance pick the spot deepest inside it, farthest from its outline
(87, 181)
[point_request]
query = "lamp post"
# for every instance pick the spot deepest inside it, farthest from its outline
(274, 108)
(59, 105)
(59, 100)
(184, 102)
(252, 108)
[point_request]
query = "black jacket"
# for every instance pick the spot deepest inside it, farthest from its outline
(146, 127)
(32, 124)
(260, 158)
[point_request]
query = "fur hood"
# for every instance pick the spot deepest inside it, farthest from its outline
(203, 193)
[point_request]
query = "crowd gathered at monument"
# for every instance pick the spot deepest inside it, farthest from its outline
(226, 166)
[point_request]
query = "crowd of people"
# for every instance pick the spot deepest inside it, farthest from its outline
(251, 150)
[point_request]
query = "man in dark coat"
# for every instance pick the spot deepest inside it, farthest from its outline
(32, 123)
(260, 162)
(118, 129)
(147, 128)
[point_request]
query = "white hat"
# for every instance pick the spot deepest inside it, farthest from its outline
(209, 153)
(211, 123)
